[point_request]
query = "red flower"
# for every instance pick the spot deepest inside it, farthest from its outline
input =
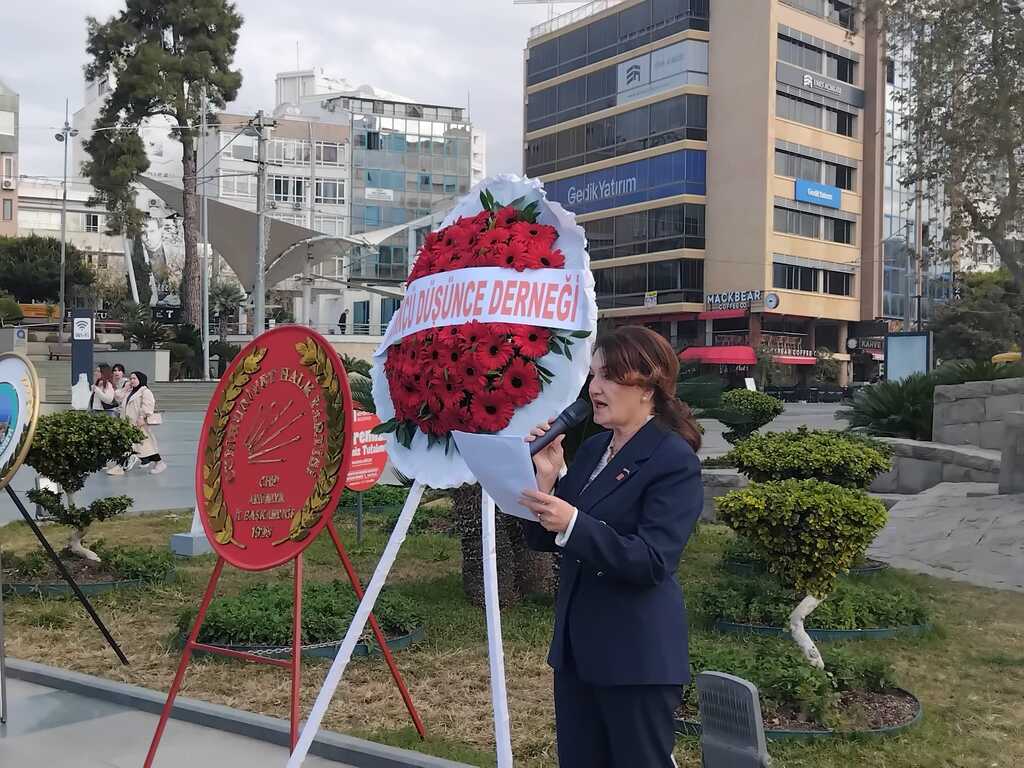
(493, 352)
(491, 411)
(531, 341)
(506, 217)
(512, 256)
(535, 233)
(502, 329)
(492, 238)
(520, 382)
(472, 375)
(471, 333)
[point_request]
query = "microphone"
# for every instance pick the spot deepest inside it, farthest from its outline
(571, 417)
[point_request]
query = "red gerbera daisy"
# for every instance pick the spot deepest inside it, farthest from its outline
(471, 333)
(493, 352)
(531, 341)
(520, 382)
(473, 375)
(506, 217)
(491, 411)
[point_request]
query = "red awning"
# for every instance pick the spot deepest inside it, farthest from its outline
(793, 360)
(722, 314)
(720, 355)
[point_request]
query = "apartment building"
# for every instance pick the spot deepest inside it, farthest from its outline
(8, 161)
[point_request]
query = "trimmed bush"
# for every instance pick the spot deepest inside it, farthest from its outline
(853, 604)
(744, 412)
(67, 448)
(377, 496)
(834, 457)
(807, 531)
(262, 615)
(125, 563)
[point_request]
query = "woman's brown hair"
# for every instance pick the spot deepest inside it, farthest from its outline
(105, 375)
(638, 357)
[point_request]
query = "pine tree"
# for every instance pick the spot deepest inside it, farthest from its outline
(159, 55)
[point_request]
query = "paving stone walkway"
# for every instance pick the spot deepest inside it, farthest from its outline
(961, 531)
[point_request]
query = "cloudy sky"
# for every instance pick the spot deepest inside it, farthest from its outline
(435, 52)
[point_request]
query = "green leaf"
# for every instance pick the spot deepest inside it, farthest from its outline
(385, 427)
(580, 334)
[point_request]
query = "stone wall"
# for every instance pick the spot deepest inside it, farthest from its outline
(917, 466)
(974, 413)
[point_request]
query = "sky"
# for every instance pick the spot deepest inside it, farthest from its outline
(433, 52)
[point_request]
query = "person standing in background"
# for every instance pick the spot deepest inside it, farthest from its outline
(139, 407)
(102, 398)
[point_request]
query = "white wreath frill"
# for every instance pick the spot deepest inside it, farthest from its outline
(432, 466)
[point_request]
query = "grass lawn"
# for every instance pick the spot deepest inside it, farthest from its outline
(969, 674)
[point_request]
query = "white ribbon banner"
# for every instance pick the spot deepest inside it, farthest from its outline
(549, 298)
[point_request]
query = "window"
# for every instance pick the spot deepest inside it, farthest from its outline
(92, 222)
(842, 13)
(800, 54)
(371, 216)
(797, 166)
(789, 222)
(8, 124)
(659, 229)
(287, 189)
(841, 68)
(572, 50)
(329, 153)
(373, 140)
(842, 176)
(793, 278)
(388, 307)
(838, 121)
(839, 231)
(8, 167)
(361, 318)
(8, 209)
(837, 283)
(102, 260)
(241, 149)
(676, 280)
(890, 71)
(330, 192)
(675, 119)
(791, 108)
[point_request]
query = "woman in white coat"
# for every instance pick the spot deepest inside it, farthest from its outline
(138, 406)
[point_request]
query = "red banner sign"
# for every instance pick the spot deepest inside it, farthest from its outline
(369, 453)
(275, 441)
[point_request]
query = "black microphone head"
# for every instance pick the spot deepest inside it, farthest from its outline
(577, 413)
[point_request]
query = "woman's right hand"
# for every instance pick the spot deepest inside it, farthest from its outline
(549, 461)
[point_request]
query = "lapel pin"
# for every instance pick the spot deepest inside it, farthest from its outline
(622, 475)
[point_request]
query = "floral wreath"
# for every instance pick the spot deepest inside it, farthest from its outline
(483, 377)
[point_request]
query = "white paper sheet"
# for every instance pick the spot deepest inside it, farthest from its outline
(503, 467)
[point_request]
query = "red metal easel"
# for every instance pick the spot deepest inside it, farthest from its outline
(294, 663)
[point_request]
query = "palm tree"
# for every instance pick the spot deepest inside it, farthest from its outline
(225, 298)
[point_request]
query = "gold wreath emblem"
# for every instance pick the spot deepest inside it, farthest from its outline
(216, 509)
(316, 362)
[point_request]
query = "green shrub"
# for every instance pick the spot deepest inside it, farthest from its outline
(833, 457)
(136, 563)
(783, 679)
(744, 412)
(718, 462)
(10, 310)
(262, 615)
(807, 531)
(67, 448)
(894, 408)
(853, 605)
(701, 391)
(962, 371)
(377, 496)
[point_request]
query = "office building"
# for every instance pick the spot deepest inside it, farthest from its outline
(409, 160)
(8, 161)
(721, 156)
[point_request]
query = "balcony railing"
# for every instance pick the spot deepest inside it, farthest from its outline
(573, 16)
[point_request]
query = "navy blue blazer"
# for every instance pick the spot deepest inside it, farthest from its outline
(619, 606)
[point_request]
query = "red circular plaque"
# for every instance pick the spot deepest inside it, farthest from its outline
(275, 444)
(369, 453)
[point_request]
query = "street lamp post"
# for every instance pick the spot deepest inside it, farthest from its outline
(64, 137)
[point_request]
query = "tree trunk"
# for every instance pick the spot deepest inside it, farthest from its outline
(796, 629)
(520, 571)
(191, 300)
(75, 545)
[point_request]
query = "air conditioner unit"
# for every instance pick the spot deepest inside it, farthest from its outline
(7, 184)
(272, 205)
(297, 206)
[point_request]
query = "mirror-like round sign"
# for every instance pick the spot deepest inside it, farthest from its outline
(19, 410)
(275, 448)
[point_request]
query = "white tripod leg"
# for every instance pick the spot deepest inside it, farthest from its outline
(355, 629)
(495, 649)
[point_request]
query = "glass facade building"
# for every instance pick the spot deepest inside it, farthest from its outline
(616, 123)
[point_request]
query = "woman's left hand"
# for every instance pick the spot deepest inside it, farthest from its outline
(553, 513)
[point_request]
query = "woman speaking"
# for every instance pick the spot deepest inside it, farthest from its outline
(621, 515)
